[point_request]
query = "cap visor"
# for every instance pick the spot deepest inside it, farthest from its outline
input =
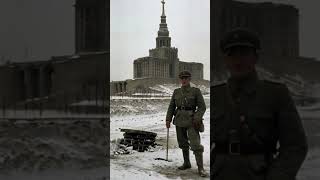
(238, 44)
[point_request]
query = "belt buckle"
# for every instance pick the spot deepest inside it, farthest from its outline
(234, 148)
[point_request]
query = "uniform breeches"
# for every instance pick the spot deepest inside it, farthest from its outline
(189, 137)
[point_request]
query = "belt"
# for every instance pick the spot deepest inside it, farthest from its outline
(236, 148)
(186, 108)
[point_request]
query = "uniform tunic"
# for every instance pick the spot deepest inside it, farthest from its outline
(270, 117)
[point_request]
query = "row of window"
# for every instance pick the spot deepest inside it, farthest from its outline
(164, 43)
(160, 69)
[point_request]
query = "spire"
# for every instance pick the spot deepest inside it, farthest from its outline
(163, 38)
(163, 8)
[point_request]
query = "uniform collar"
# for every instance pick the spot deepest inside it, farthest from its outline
(246, 84)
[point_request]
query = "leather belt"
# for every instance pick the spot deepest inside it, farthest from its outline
(186, 108)
(236, 148)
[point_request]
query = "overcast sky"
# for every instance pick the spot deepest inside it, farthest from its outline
(40, 28)
(134, 26)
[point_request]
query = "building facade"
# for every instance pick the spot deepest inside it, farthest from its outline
(161, 66)
(65, 79)
(163, 61)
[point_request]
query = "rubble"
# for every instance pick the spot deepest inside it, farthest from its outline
(139, 140)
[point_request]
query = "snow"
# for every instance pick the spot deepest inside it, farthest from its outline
(33, 150)
(149, 115)
(66, 174)
(167, 89)
(89, 103)
(46, 114)
(131, 97)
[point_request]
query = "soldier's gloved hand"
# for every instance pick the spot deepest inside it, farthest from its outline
(168, 124)
(196, 124)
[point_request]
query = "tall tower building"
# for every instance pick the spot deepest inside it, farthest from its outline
(91, 26)
(163, 50)
(163, 61)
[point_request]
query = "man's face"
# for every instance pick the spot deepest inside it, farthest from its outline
(185, 81)
(240, 60)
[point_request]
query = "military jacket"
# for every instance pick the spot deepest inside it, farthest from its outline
(271, 115)
(189, 98)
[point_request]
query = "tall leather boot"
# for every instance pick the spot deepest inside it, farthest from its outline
(186, 163)
(199, 159)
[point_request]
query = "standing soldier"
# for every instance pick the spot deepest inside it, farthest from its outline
(251, 117)
(187, 106)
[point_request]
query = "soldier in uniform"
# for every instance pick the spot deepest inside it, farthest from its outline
(187, 106)
(256, 131)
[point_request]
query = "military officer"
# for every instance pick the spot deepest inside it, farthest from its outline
(187, 106)
(256, 131)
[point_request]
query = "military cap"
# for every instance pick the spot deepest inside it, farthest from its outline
(240, 37)
(184, 74)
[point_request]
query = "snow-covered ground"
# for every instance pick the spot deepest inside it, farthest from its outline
(45, 114)
(34, 150)
(138, 165)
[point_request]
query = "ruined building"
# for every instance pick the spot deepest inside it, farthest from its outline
(69, 78)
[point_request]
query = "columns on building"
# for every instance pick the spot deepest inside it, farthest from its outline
(42, 80)
(135, 70)
(27, 80)
(155, 68)
(119, 87)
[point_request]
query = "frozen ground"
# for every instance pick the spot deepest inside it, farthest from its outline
(34, 150)
(139, 165)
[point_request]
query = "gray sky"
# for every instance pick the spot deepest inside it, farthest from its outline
(45, 27)
(134, 26)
